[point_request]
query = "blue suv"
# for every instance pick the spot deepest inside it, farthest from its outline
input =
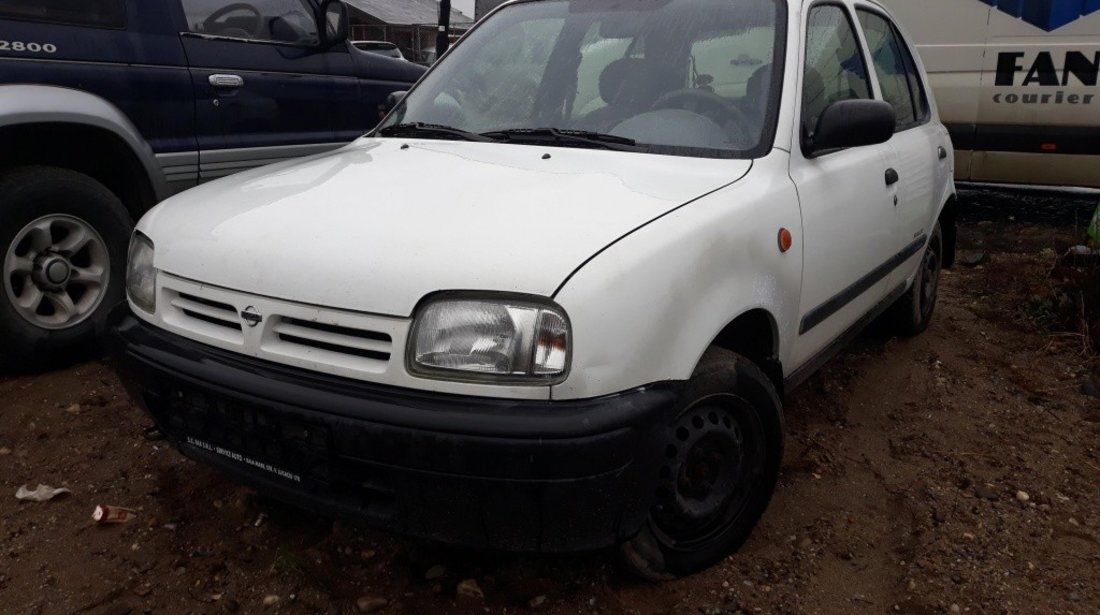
(109, 106)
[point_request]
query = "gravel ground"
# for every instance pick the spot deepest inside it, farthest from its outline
(954, 472)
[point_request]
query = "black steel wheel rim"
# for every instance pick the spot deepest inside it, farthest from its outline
(714, 457)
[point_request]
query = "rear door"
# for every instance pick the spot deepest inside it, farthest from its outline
(847, 206)
(262, 83)
(920, 147)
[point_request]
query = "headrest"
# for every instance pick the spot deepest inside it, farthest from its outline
(623, 79)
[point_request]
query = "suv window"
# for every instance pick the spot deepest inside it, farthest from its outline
(896, 70)
(96, 13)
(835, 68)
(281, 21)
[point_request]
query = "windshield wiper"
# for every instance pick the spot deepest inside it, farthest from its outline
(420, 129)
(557, 135)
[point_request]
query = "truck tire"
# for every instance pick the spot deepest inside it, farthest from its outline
(722, 457)
(63, 241)
(912, 313)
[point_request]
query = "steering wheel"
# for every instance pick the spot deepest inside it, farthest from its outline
(211, 23)
(712, 106)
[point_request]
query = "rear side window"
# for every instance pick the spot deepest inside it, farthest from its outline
(835, 69)
(896, 70)
(94, 13)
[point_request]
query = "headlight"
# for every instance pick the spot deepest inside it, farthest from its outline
(141, 277)
(493, 340)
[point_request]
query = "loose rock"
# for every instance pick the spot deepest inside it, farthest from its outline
(986, 493)
(537, 601)
(370, 604)
(1089, 389)
(271, 600)
(1023, 496)
(470, 589)
(975, 259)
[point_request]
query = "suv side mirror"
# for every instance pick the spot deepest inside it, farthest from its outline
(391, 101)
(334, 23)
(853, 123)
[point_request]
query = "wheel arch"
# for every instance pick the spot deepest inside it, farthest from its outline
(52, 126)
(754, 334)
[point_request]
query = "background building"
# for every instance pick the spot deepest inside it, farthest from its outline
(410, 24)
(484, 6)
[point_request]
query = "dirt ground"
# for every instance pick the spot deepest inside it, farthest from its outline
(955, 472)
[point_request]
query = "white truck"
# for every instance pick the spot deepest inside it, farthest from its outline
(1016, 84)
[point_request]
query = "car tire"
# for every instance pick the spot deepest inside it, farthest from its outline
(63, 241)
(722, 454)
(913, 311)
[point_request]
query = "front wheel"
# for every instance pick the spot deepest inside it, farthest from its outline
(63, 239)
(722, 457)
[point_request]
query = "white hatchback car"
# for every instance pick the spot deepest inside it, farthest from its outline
(553, 302)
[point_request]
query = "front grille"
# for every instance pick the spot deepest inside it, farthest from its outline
(335, 339)
(328, 340)
(205, 310)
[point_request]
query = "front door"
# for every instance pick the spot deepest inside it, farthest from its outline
(847, 203)
(262, 83)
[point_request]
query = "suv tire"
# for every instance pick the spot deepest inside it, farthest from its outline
(722, 457)
(63, 239)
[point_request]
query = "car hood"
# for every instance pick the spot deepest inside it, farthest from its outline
(377, 225)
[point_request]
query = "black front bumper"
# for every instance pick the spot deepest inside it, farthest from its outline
(502, 474)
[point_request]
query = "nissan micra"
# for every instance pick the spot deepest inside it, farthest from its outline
(552, 303)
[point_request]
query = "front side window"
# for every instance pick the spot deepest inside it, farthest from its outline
(95, 13)
(835, 69)
(680, 77)
(896, 70)
(281, 21)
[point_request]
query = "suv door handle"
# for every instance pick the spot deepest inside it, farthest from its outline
(892, 177)
(226, 82)
(943, 153)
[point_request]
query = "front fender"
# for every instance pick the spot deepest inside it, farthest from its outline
(38, 104)
(647, 308)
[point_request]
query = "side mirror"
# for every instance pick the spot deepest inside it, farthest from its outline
(853, 123)
(391, 101)
(334, 23)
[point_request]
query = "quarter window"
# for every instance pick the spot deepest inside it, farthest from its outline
(95, 13)
(835, 69)
(896, 70)
(281, 21)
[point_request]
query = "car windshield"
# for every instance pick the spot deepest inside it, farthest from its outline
(681, 77)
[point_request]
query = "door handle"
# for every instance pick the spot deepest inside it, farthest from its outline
(226, 82)
(892, 177)
(943, 153)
